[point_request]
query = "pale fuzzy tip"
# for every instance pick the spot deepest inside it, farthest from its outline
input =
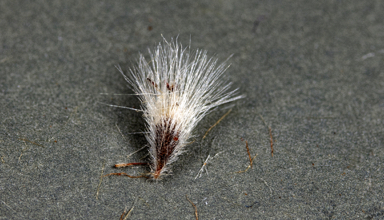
(177, 89)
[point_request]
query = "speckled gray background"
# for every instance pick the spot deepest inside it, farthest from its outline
(312, 69)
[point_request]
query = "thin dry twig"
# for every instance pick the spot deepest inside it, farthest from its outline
(249, 154)
(125, 174)
(225, 115)
(136, 151)
(249, 166)
(196, 214)
(265, 182)
(129, 212)
(122, 217)
(200, 173)
(202, 168)
(26, 140)
(119, 130)
(129, 164)
(26, 147)
(270, 134)
(250, 159)
(190, 142)
(145, 156)
(119, 165)
(101, 179)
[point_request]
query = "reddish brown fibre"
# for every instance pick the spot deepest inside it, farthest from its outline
(166, 140)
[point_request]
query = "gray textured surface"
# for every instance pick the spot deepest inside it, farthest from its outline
(314, 71)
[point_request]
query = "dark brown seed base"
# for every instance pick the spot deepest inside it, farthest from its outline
(166, 140)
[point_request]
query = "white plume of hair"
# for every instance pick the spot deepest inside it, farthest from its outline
(177, 89)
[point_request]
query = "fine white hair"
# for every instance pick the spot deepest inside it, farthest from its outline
(177, 89)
